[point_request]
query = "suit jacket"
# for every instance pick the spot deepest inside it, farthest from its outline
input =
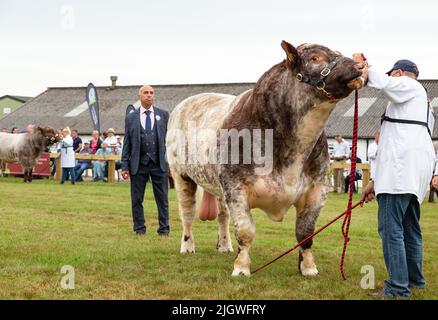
(131, 143)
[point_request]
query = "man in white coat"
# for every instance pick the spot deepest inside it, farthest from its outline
(404, 167)
(372, 154)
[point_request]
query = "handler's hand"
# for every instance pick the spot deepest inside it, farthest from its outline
(435, 182)
(358, 57)
(125, 174)
(368, 193)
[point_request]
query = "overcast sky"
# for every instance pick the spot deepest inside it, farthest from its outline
(71, 43)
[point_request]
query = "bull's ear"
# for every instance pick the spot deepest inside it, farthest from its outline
(40, 130)
(291, 53)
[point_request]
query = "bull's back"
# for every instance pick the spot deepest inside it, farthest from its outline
(192, 127)
(10, 145)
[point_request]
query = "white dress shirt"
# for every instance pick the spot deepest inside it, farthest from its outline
(341, 149)
(372, 155)
(143, 116)
(406, 157)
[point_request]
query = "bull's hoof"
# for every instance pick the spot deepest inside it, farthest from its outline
(241, 271)
(225, 249)
(187, 245)
(308, 271)
(224, 246)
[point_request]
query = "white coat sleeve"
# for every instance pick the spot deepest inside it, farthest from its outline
(397, 89)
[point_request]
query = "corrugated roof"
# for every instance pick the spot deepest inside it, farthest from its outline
(51, 106)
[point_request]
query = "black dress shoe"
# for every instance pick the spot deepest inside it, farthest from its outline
(141, 233)
(163, 234)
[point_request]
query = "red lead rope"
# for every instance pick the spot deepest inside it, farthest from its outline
(347, 219)
(350, 207)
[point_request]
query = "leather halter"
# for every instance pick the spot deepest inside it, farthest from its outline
(319, 83)
(50, 140)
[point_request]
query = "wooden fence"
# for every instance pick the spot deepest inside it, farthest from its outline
(365, 167)
(110, 158)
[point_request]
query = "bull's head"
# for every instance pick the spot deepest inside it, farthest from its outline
(327, 71)
(49, 134)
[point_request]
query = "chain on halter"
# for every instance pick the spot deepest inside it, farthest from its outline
(319, 83)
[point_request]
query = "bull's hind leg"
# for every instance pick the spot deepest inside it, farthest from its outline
(308, 209)
(244, 230)
(224, 241)
(27, 175)
(186, 190)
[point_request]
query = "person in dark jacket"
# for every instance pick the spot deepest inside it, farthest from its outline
(144, 156)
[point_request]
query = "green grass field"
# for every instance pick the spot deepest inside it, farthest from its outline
(44, 226)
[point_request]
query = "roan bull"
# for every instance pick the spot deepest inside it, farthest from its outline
(25, 148)
(294, 99)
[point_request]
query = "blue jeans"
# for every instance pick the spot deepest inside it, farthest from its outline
(80, 168)
(65, 174)
(399, 228)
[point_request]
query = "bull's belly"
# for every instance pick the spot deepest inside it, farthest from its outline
(275, 196)
(9, 156)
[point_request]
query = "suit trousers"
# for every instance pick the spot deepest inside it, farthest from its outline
(160, 187)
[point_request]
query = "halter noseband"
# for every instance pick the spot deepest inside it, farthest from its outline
(319, 83)
(51, 140)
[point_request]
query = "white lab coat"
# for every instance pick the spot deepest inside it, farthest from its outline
(67, 152)
(406, 158)
(372, 155)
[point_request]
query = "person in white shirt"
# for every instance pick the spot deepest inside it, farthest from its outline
(372, 154)
(341, 152)
(67, 156)
(111, 139)
(404, 167)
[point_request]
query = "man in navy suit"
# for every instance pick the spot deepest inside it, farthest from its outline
(144, 156)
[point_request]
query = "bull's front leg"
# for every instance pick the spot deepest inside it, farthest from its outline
(308, 209)
(244, 229)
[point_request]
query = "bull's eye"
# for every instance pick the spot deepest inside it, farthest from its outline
(315, 58)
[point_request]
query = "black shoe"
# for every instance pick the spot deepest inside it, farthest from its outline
(140, 233)
(165, 234)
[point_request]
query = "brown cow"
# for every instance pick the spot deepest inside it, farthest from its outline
(289, 107)
(26, 148)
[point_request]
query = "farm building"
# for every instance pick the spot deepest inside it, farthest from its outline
(66, 106)
(9, 103)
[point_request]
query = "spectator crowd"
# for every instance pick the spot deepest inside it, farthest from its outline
(71, 144)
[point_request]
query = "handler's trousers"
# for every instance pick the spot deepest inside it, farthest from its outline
(399, 228)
